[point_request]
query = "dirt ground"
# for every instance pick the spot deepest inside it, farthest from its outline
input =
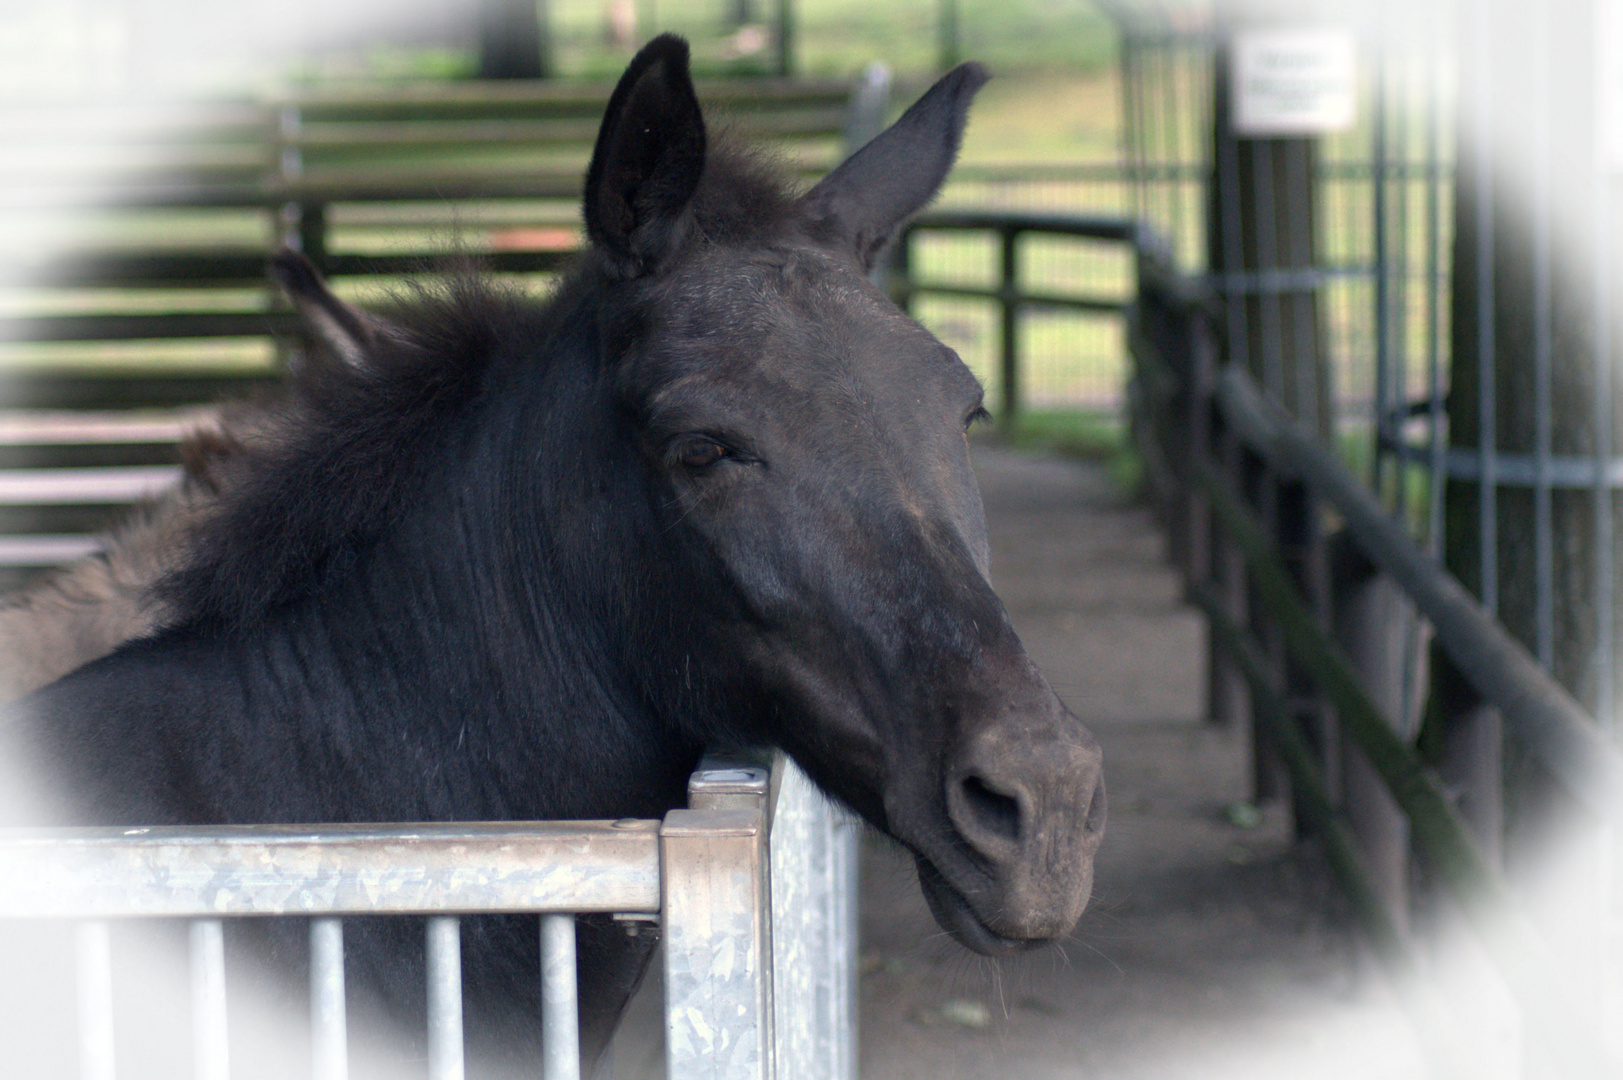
(1211, 950)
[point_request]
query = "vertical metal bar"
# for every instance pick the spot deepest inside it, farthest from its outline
(560, 1004)
(901, 269)
(1134, 109)
(1265, 224)
(1228, 694)
(444, 998)
(329, 1046)
(1228, 199)
(1488, 437)
(1010, 359)
(1437, 483)
(1384, 394)
(1299, 255)
(94, 960)
(718, 989)
(845, 895)
(1543, 560)
(1397, 139)
(1605, 629)
(1366, 606)
(1185, 107)
(210, 1049)
(1171, 155)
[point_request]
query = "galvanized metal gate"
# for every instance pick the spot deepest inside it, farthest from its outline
(753, 884)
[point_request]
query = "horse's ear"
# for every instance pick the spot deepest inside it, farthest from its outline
(860, 204)
(649, 154)
(341, 331)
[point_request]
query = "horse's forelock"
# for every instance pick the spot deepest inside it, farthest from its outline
(743, 196)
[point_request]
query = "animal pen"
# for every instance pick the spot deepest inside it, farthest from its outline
(753, 885)
(1371, 383)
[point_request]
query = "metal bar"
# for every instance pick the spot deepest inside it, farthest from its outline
(1005, 295)
(1128, 65)
(560, 1006)
(94, 960)
(1299, 244)
(329, 1025)
(1442, 834)
(1227, 151)
(1265, 234)
(1605, 570)
(1176, 115)
(336, 870)
(61, 487)
(1009, 359)
(211, 1057)
(1488, 432)
(1436, 490)
(1523, 470)
(1389, 937)
(812, 865)
(717, 946)
(1385, 393)
(1090, 227)
(1546, 718)
(445, 998)
(1543, 556)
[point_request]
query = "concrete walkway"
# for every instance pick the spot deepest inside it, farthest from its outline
(1211, 950)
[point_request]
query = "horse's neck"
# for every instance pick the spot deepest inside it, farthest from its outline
(373, 702)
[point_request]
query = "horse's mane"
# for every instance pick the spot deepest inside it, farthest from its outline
(336, 461)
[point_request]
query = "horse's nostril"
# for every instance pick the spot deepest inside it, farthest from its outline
(992, 811)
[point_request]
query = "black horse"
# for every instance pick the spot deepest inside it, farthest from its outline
(524, 561)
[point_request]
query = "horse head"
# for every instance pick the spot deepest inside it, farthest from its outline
(804, 444)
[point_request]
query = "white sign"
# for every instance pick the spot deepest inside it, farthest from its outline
(1609, 75)
(1293, 81)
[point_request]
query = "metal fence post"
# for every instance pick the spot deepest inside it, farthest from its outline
(1301, 544)
(445, 1060)
(1009, 360)
(718, 993)
(560, 1000)
(329, 1023)
(1259, 489)
(94, 956)
(1228, 697)
(1367, 605)
(210, 1053)
(814, 933)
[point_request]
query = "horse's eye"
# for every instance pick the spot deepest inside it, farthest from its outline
(978, 416)
(700, 453)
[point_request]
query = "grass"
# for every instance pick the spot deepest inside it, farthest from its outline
(1098, 436)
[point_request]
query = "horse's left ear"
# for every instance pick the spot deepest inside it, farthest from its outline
(649, 155)
(860, 204)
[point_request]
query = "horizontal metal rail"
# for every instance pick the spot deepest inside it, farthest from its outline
(364, 869)
(1009, 296)
(1263, 458)
(1544, 716)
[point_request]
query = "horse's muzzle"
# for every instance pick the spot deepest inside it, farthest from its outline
(1026, 798)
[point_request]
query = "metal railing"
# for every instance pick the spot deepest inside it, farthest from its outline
(1298, 622)
(753, 884)
(1007, 293)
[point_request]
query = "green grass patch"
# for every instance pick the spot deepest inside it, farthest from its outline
(1091, 435)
